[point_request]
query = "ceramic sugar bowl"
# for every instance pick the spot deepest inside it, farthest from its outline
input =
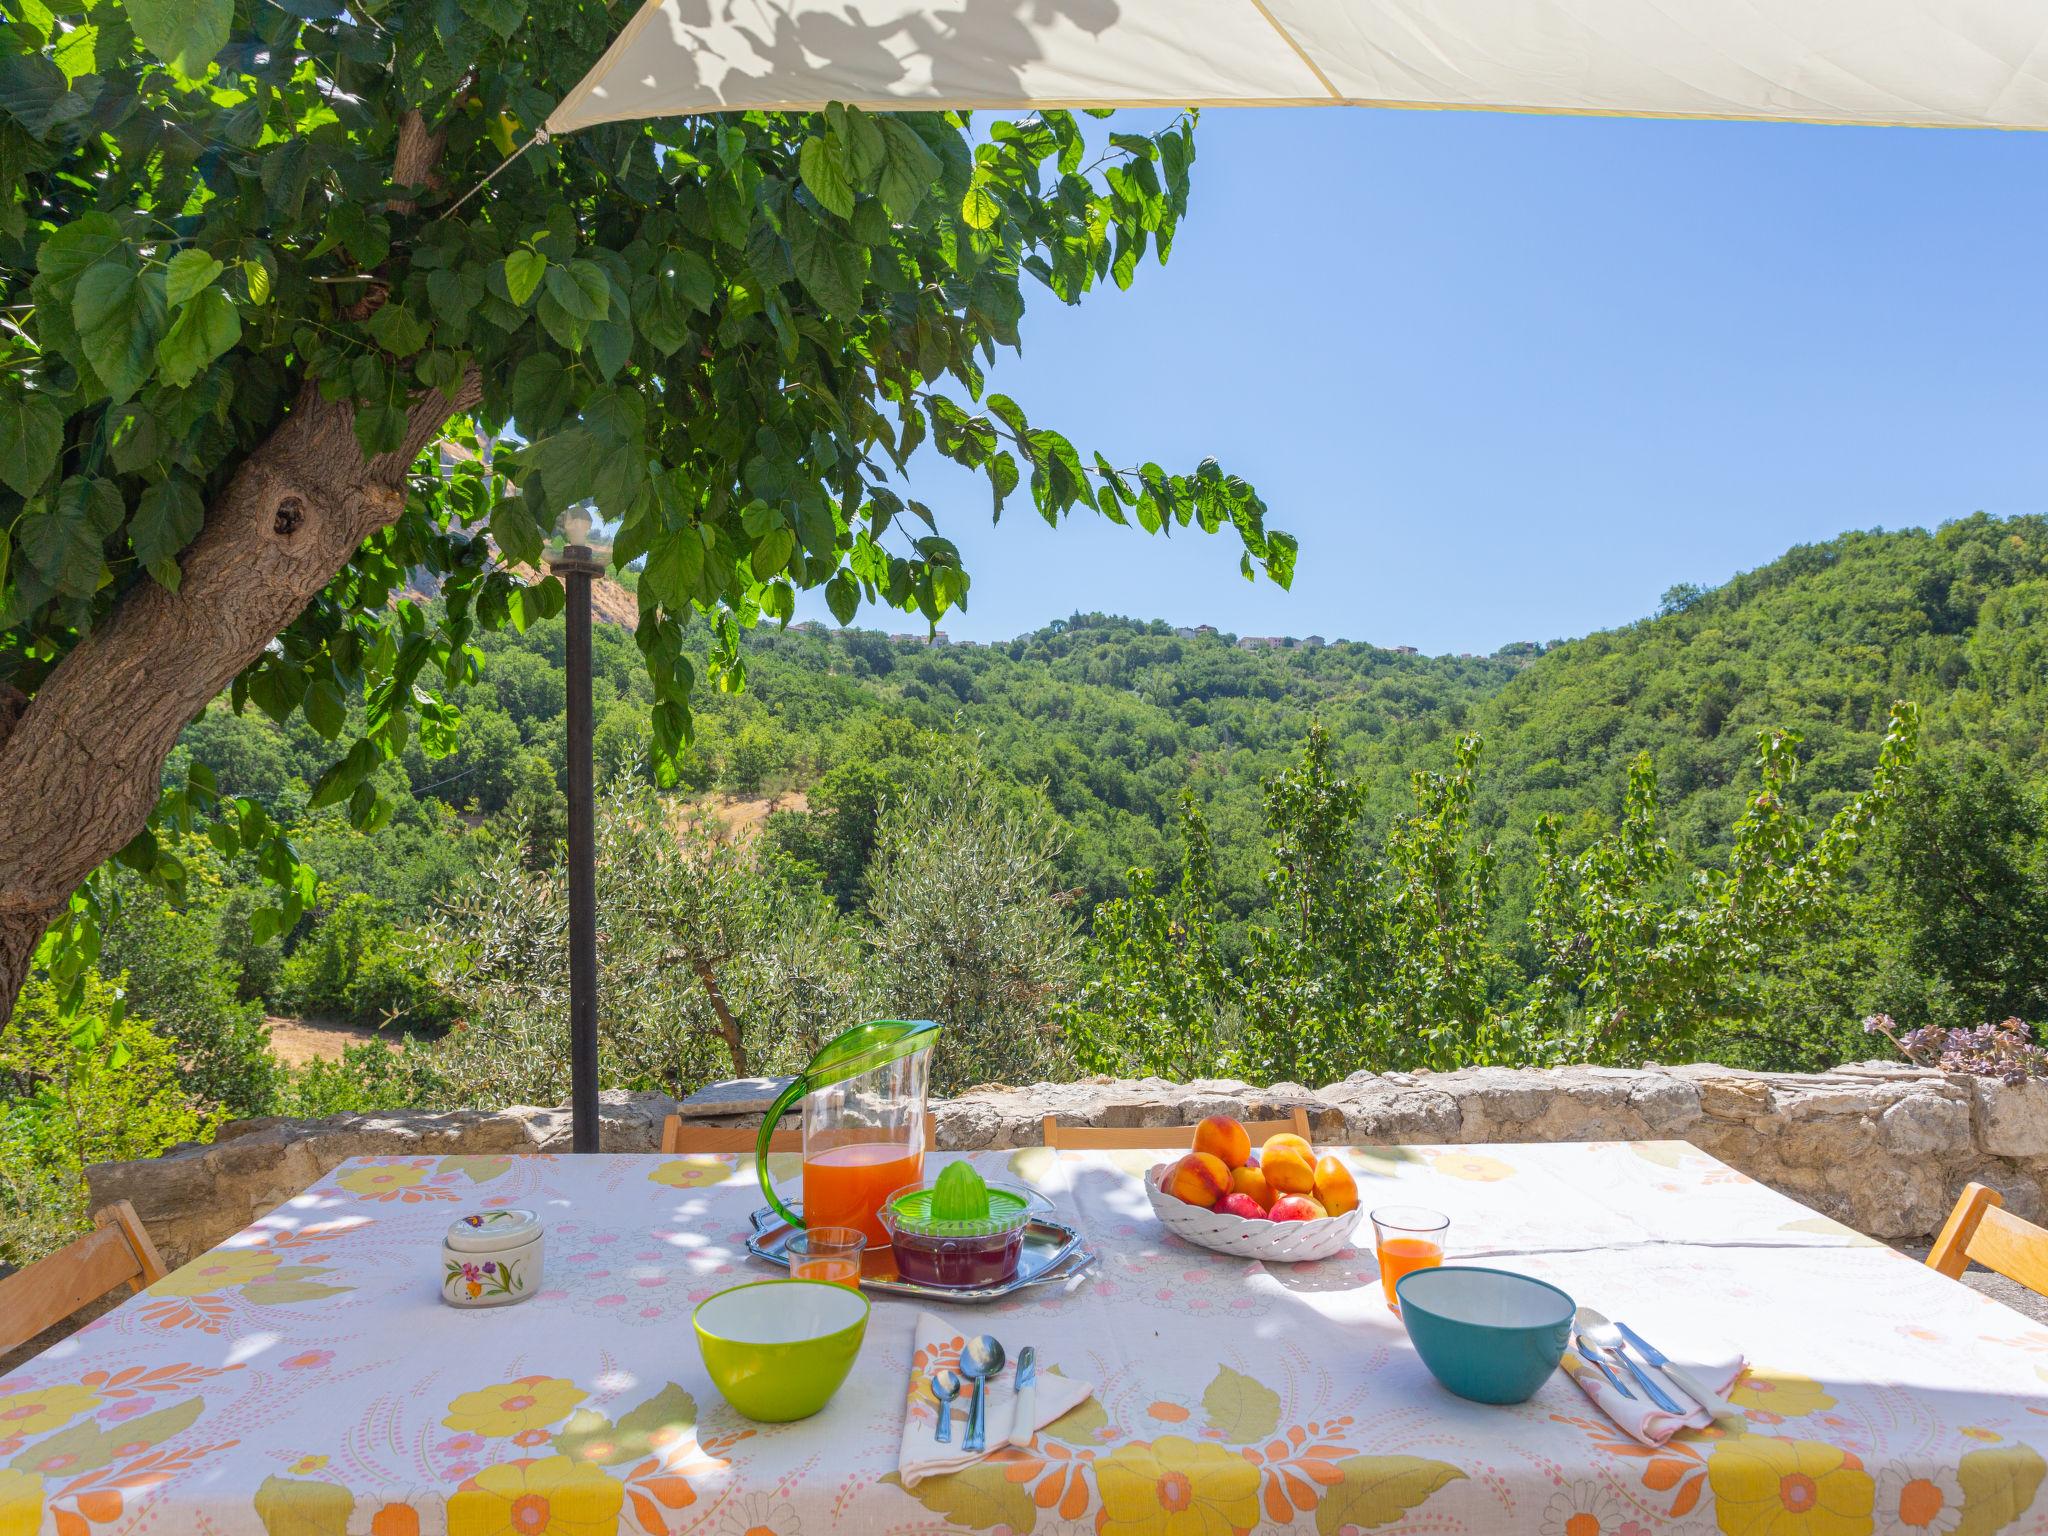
(491, 1258)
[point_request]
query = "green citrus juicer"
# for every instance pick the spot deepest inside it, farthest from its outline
(864, 1124)
(959, 1231)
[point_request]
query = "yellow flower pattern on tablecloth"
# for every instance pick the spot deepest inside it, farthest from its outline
(21, 1502)
(220, 1270)
(697, 1171)
(383, 1181)
(1769, 1487)
(553, 1496)
(1475, 1166)
(1779, 1394)
(1176, 1487)
(23, 1414)
(513, 1407)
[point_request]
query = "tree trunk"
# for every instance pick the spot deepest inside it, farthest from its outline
(734, 1046)
(81, 764)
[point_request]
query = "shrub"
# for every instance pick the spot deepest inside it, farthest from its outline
(356, 965)
(88, 1087)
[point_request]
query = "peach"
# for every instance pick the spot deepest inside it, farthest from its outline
(1199, 1178)
(1335, 1187)
(1242, 1205)
(1288, 1169)
(1288, 1139)
(1224, 1139)
(1296, 1208)
(1252, 1184)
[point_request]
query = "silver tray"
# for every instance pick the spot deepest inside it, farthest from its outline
(1052, 1251)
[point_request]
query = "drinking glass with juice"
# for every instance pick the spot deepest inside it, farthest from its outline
(1406, 1238)
(831, 1254)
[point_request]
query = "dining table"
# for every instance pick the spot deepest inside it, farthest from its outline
(305, 1378)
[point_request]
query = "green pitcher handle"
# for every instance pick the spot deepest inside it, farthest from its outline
(798, 1087)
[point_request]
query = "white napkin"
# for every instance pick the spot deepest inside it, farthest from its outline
(1642, 1420)
(935, 1346)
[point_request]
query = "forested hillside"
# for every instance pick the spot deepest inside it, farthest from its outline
(1110, 844)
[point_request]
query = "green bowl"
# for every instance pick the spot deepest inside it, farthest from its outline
(779, 1349)
(1487, 1334)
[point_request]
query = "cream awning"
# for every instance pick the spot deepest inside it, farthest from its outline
(1928, 63)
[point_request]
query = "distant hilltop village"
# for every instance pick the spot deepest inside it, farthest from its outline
(1519, 653)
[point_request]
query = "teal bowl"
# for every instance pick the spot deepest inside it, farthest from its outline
(1487, 1334)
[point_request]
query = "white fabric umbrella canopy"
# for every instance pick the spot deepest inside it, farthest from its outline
(1926, 63)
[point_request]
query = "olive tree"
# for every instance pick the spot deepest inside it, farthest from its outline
(250, 270)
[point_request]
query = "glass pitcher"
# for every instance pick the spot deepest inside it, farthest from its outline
(864, 1107)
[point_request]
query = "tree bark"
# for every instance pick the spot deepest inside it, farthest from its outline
(81, 763)
(734, 1046)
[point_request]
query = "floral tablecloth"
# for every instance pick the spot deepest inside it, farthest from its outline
(305, 1380)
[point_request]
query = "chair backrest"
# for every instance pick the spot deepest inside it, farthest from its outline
(1979, 1229)
(680, 1135)
(1124, 1138)
(51, 1289)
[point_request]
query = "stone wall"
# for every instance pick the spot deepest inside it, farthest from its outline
(1882, 1147)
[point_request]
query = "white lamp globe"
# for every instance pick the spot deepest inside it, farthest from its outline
(576, 523)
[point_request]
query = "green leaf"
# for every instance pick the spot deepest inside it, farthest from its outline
(908, 170)
(1378, 1490)
(823, 169)
(380, 427)
(523, 272)
(978, 1498)
(979, 209)
(340, 781)
(326, 708)
(1999, 1485)
(167, 518)
(842, 596)
(1240, 1409)
(542, 393)
(65, 542)
(119, 313)
(185, 34)
(205, 328)
(397, 330)
(772, 554)
(186, 274)
(74, 247)
(581, 288)
(829, 265)
(501, 16)
(31, 438)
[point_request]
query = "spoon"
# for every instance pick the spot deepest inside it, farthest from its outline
(981, 1360)
(1607, 1338)
(945, 1387)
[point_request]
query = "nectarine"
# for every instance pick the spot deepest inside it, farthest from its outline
(1199, 1178)
(1296, 1208)
(1287, 1139)
(1224, 1139)
(1335, 1188)
(1288, 1169)
(1252, 1184)
(1242, 1206)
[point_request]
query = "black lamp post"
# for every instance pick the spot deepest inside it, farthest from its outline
(576, 566)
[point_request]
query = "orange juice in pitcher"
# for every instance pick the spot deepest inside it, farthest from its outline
(864, 1125)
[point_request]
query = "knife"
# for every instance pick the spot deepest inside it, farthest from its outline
(1024, 1405)
(1715, 1404)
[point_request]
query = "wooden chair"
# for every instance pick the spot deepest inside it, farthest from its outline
(680, 1135)
(1979, 1229)
(1123, 1138)
(51, 1289)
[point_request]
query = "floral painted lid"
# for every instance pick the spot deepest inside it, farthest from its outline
(494, 1231)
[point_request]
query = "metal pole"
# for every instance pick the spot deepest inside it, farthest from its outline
(576, 567)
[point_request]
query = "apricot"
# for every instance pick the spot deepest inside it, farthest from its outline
(1252, 1184)
(1199, 1178)
(1335, 1187)
(1242, 1206)
(1288, 1169)
(1224, 1139)
(1288, 1139)
(1296, 1208)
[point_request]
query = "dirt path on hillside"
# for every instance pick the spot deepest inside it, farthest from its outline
(298, 1041)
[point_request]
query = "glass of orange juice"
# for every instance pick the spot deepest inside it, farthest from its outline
(827, 1253)
(1406, 1238)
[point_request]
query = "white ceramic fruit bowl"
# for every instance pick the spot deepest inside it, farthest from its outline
(1274, 1242)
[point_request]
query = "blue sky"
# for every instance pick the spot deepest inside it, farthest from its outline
(1509, 377)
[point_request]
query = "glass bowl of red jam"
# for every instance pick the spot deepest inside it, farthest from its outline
(939, 1243)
